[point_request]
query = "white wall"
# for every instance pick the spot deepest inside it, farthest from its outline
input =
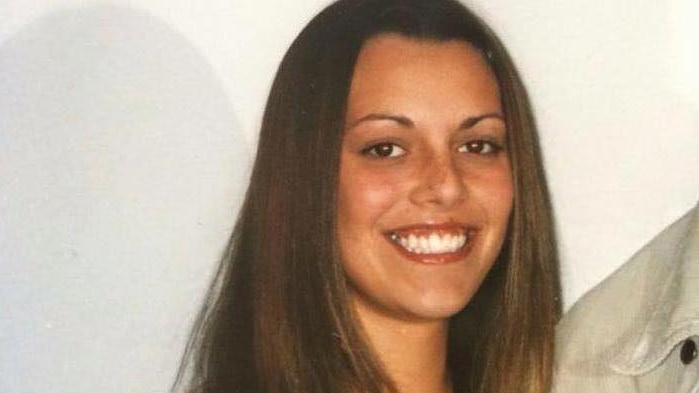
(126, 135)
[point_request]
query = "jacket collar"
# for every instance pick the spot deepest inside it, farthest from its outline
(674, 314)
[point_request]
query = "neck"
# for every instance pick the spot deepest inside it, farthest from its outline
(412, 353)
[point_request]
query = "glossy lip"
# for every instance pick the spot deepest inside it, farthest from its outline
(435, 259)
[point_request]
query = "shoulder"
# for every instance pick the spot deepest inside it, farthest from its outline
(607, 321)
(613, 307)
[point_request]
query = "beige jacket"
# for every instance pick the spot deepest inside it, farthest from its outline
(638, 331)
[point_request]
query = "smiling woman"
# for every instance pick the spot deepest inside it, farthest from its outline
(431, 182)
(424, 196)
(396, 234)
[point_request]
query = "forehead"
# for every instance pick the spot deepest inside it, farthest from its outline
(396, 70)
(415, 48)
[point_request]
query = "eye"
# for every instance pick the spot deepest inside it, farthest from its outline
(384, 150)
(480, 147)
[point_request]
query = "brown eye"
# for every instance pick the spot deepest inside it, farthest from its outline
(479, 147)
(384, 150)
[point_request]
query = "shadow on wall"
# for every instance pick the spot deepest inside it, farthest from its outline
(121, 170)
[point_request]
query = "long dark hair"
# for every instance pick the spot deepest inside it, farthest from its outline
(276, 318)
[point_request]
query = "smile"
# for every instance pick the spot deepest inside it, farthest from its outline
(433, 243)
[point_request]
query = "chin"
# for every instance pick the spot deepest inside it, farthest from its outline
(439, 306)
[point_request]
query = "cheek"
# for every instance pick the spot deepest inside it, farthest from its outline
(494, 191)
(503, 193)
(366, 195)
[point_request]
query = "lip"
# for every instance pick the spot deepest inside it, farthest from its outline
(435, 259)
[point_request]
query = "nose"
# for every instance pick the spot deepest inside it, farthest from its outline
(440, 182)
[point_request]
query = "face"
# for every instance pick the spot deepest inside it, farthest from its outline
(425, 188)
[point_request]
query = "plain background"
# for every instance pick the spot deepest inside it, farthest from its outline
(127, 130)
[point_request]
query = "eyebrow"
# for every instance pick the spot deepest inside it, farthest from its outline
(406, 122)
(473, 120)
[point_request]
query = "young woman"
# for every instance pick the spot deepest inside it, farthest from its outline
(396, 233)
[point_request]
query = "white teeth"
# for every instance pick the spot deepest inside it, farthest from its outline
(412, 242)
(434, 243)
(424, 243)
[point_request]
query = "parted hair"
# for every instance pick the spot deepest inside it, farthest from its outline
(276, 318)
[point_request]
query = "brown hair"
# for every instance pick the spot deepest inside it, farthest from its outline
(276, 318)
